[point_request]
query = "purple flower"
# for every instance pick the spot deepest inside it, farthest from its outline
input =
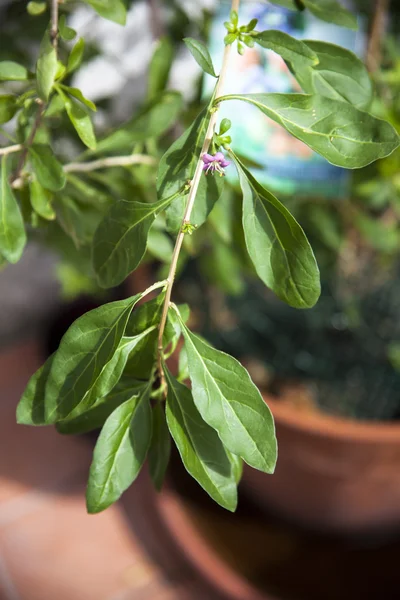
(215, 163)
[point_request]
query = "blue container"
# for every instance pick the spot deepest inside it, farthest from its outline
(288, 165)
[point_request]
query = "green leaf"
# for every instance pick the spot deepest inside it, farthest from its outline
(78, 95)
(228, 401)
(47, 169)
(81, 122)
(290, 49)
(177, 167)
(8, 107)
(113, 10)
(222, 267)
(331, 11)
(46, 67)
(160, 447)
(78, 221)
(67, 33)
(76, 55)
(199, 446)
(201, 55)
(85, 349)
(120, 240)
(120, 452)
(345, 136)
(12, 71)
(41, 201)
(31, 407)
(237, 466)
(12, 230)
(291, 4)
(159, 68)
(140, 364)
(277, 245)
(36, 8)
(339, 75)
(111, 373)
(160, 245)
(95, 417)
(151, 122)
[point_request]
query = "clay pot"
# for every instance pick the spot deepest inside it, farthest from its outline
(333, 475)
(174, 540)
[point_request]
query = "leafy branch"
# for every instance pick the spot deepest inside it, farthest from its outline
(110, 370)
(194, 185)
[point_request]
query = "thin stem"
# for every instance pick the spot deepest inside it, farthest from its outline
(10, 149)
(374, 50)
(54, 24)
(156, 23)
(29, 141)
(111, 161)
(101, 163)
(41, 104)
(189, 205)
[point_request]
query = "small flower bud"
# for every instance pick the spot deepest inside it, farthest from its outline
(247, 39)
(230, 27)
(234, 17)
(230, 38)
(224, 126)
(241, 49)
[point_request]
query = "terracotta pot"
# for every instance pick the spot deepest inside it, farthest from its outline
(333, 474)
(170, 535)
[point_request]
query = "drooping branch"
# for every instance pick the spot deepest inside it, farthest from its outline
(189, 205)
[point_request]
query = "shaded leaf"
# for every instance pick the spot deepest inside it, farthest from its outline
(120, 452)
(228, 401)
(111, 372)
(76, 55)
(290, 49)
(71, 91)
(339, 75)
(85, 349)
(36, 8)
(331, 11)
(95, 417)
(47, 169)
(160, 447)
(160, 245)
(41, 200)
(12, 230)
(113, 10)
(201, 55)
(67, 33)
(277, 245)
(12, 71)
(120, 241)
(8, 107)
(345, 136)
(79, 222)
(46, 67)
(82, 123)
(31, 407)
(199, 446)
(152, 121)
(159, 68)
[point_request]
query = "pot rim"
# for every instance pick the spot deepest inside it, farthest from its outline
(325, 425)
(200, 553)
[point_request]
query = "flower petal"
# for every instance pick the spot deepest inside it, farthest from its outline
(219, 157)
(207, 158)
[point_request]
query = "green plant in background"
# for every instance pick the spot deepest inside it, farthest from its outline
(110, 369)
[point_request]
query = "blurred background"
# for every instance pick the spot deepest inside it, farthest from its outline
(326, 526)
